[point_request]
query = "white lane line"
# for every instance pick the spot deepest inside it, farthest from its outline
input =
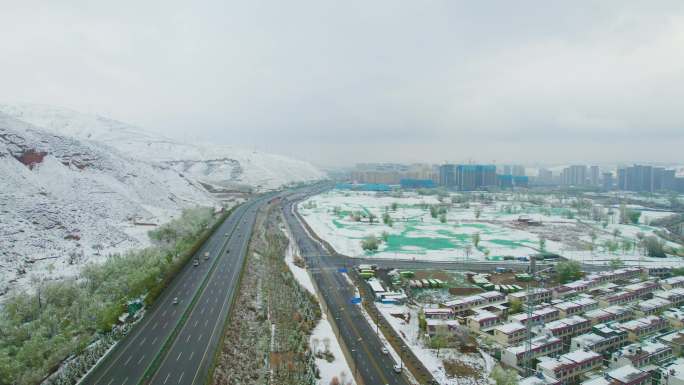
(164, 313)
(188, 339)
(140, 360)
(155, 325)
(202, 311)
(200, 337)
(195, 325)
(165, 323)
(128, 360)
(174, 312)
(124, 381)
(212, 309)
(179, 355)
(191, 354)
(142, 342)
(206, 321)
(167, 377)
(181, 377)
(154, 340)
(110, 381)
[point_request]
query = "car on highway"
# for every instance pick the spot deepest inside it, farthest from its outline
(384, 350)
(195, 262)
(397, 369)
(175, 300)
(206, 255)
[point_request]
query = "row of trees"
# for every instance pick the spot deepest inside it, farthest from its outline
(60, 318)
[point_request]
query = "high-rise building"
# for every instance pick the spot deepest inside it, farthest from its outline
(594, 175)
(518, 170)
(644, 178)
(446, 175)
(475, 176)
(544, 176)
(575, 175)
(607, 181)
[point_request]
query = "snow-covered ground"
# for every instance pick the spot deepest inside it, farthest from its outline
(415, 234)
(431, 359)
(216, 165)
(78, 187)
(322, 338)
(66, 202)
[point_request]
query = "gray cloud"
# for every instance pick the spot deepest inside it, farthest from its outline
(339, 82)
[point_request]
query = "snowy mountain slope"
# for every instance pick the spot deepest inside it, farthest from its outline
(216, 165)
(64, 201)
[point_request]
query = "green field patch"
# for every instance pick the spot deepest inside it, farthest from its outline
(509, 243)
(395, 243)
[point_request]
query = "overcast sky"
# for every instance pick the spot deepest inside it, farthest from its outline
(339, 82)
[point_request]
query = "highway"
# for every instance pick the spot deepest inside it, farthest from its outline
(358, 336)
(212, 285)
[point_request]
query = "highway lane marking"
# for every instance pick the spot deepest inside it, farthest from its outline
(188, 339)
(155, 325)
(191, 354)
(167, 377)
(142, 342)
(165, 323)
(140, 360)
(124, 381)
(110, 381)
(154, 340)
(128, 360)
(202, 311)
(206, 321)
(164, 313)
(195, 325)
(200, 337)
(181, 377)
(206, 350)
(179, 355)
(212, 310)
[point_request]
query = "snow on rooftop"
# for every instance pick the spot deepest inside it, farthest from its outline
(510, 327)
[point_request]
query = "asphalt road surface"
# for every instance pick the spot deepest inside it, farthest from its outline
(361, 340)
(213, 282)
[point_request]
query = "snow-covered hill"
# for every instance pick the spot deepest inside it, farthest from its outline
(64, 201)
(215, 165)
(77, 187)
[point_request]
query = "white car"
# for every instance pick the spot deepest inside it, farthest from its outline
(397, 369)
(175, 300)
(384, 350)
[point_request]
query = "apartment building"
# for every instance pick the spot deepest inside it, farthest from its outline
(675, 296)
(538, 317)
(651, 306)
(618, 298)
(511, 333)
(576, 306)
(611, 313)
(625, 375)
(672, 282)
(641, 354)
(675, 317)
(541, 346)
(570, 366)
(567, 328)
(536, 296)
(482, 320)
(438, 313)
(643, 327)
